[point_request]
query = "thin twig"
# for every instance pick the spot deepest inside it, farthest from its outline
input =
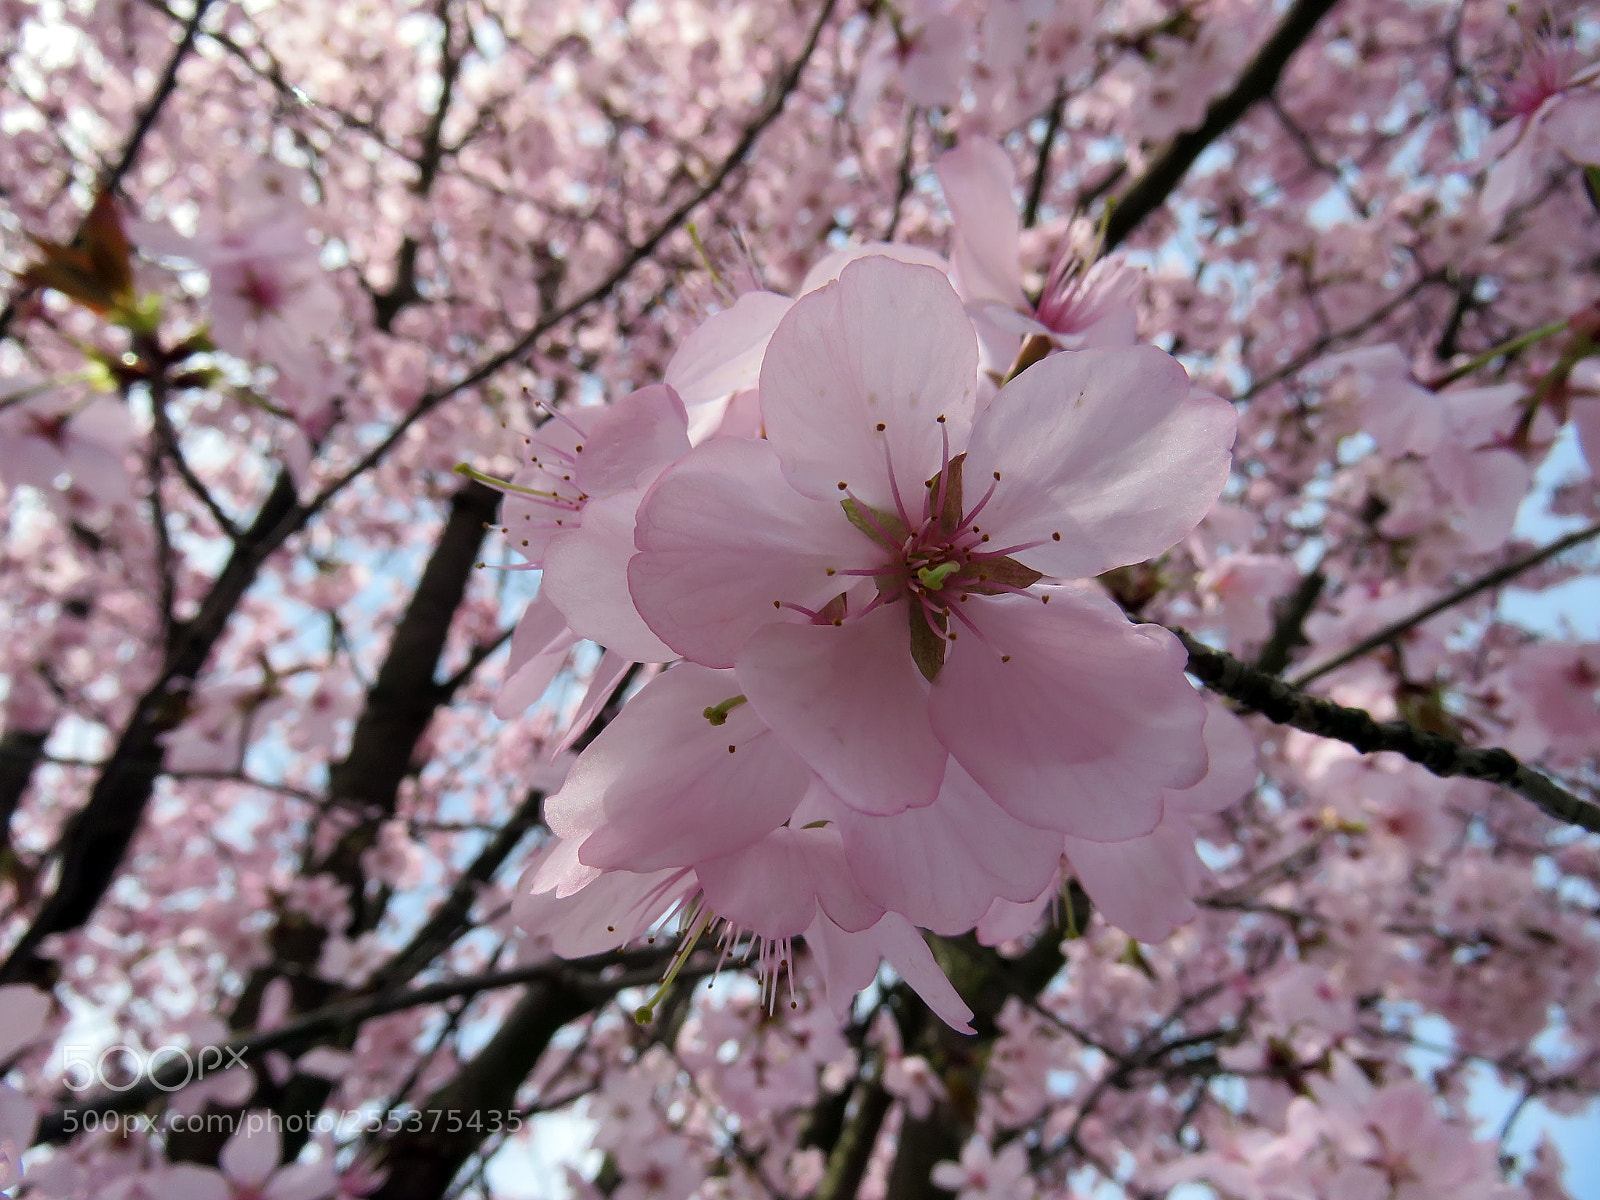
(1466, 591)
(167, 445)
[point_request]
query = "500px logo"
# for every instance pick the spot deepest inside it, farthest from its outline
(119, 1068)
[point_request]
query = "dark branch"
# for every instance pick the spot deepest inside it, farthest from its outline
(1285, 705)
(1041, 164)
(1151, 190)
(1288, 630)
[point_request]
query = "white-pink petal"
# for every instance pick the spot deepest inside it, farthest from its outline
(1071, 718)
(944, 865)
(1105, 458)
(857, 377)
(586, 577)
(615, 908)
(775, 887)
(724, 354)
(849, 701)
(1231, 764)
(849, 962)
(664, 787)
(539, 647)
(723, 541)
(631, 440)
(607, 675)
(1144, 886)
(904, 950)
(831, 266)
(985, 257)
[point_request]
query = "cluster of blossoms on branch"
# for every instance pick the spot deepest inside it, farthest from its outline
(888, 706)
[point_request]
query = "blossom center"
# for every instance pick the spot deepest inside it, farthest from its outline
(935, 562)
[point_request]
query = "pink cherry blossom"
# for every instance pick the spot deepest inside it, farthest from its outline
(48, 433)
(984, 1175)
(833, 521)
(1080, 305)
(570, 510)
(1553, 107)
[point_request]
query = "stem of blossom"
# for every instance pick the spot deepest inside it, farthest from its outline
(1284, 704)
(498, 484)
(1483, 583)
(1035, 349)
(1488, 356)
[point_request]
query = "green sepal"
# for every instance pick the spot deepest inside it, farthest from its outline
(875, 523)
(950, 512)
(996, 576)
(927, 647)
(1591, 185)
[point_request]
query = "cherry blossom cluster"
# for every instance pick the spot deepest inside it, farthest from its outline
(887, 707)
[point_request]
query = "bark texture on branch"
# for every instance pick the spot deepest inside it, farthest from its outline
(1285, 705)
(1150, 191)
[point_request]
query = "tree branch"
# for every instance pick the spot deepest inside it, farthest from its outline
(1288, 629)
(1283, 704)
(1152, 188)
(1041, 164)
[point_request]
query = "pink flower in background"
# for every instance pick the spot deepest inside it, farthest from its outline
(984, 1175)
(47, 434)
(270, 298)
(1553, 108)
(1552, 693)
(1081, 305)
